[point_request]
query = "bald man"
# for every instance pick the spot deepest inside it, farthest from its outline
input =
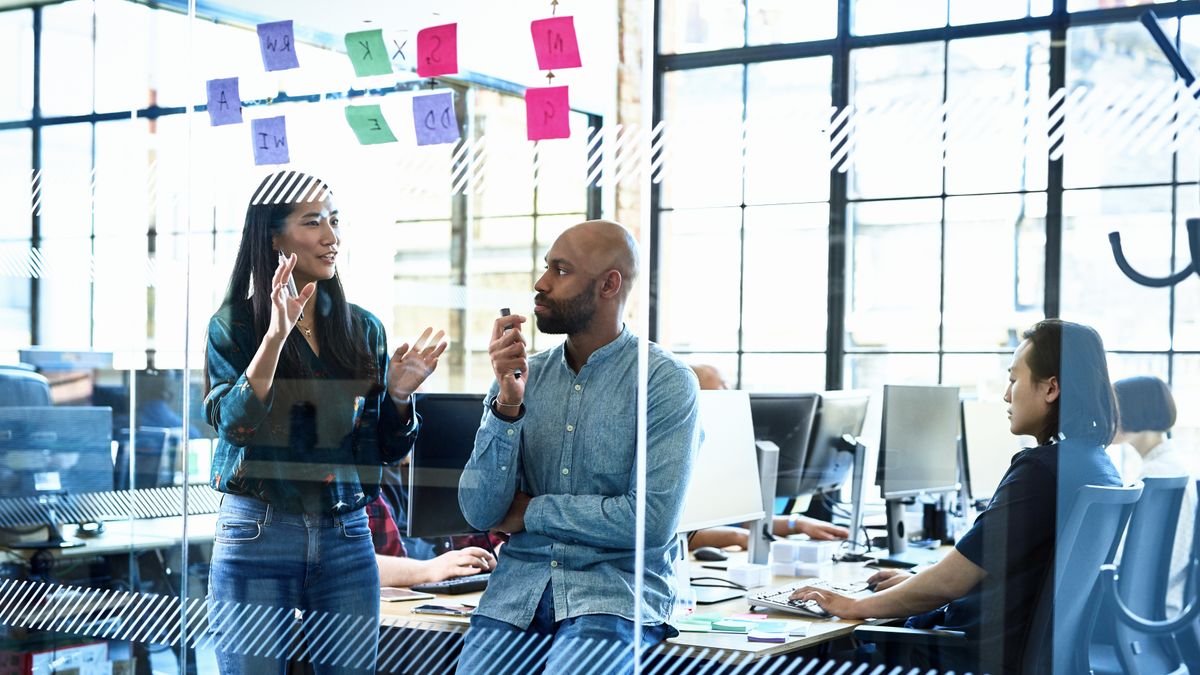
(553, 466)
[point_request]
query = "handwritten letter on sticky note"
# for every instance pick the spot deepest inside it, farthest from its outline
(554, 43)
(368, 53)
(434, 119)
(369, 125)
(547, 113)
(278, 44)
(270, 140)
(437, 50)
(224, 102)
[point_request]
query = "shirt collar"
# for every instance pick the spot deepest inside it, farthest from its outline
(604, 353)
(1158, 451)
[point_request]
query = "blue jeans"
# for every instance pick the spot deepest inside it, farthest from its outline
(292, 586)
(592, 643)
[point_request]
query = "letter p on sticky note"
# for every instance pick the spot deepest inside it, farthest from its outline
(437, 50)
(554, 43)
(547, 113)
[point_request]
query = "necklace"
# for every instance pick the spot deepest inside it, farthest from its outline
(303, 329)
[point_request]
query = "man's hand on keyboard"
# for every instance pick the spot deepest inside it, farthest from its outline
(836, 604)
(461, 563)
(885, 579)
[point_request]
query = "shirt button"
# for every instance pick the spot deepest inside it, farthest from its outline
(554, 563)
(566, 471)
(570, 427)
(510, 432)
(504, 468)
(579, 387)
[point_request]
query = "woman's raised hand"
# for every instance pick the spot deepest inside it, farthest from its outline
(285, 310)
(408, 368)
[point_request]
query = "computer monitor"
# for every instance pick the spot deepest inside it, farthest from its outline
(786, 420)
(55, 449)
(837, 425)
(988, 446)
(443, 447)
(918, 452)
(724, 488)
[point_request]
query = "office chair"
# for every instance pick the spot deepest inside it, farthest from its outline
(1060, 629)
(1144, 574)
(21, 386)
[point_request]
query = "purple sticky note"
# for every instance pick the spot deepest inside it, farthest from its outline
(278, 44)
(547, 113)
(554, 43)
(224, 102)
(434, 119)
(269, 136)
(437, 50)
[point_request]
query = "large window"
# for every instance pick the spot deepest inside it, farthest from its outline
(902, 169)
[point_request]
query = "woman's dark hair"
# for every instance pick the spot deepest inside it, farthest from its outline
(1074, 355)
(342, 342)
(1146, 404)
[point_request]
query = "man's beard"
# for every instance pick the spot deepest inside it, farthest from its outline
(570, 316)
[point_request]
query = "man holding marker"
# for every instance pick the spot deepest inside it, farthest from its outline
(554, 467)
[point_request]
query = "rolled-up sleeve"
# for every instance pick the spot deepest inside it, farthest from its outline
(489, 480)
(672, 437)
(396, 435)
(231, 406)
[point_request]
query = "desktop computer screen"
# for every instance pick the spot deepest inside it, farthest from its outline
(444, 444)
(55, 449)
(836, 428)
(724, 488)
(786, 420)
(918, 440)
(988, 446)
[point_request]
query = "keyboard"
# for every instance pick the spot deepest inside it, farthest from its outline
(777, 598)
(456, 586)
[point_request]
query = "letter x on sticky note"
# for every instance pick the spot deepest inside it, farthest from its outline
(278, 44)
(369, 125)
(437, 50)
(224, 102)
(554, 43)
(269, 136)
(547, 113)
(434, 119)
(368, 53)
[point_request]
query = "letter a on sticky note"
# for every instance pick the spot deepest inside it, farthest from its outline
(434, 119)
(437, 50)
(278, 44)
(554, 43)
(369, 125)
(269, 136)
(368, 53)
(547, 113)
(224, 102)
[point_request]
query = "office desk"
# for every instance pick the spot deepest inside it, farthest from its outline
(124, 536)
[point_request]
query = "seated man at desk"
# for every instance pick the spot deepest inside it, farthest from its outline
(554, 466)
(781, 525)
(1059, 392)
(396, 569)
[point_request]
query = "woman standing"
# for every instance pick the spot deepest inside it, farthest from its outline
(308, 407)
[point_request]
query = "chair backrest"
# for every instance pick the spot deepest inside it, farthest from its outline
(1066, 607)
(153, 459)
(20, 386)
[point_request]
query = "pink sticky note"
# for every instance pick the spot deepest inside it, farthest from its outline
(437, 50)
(750, 616)
(554, 42)
(547, 113)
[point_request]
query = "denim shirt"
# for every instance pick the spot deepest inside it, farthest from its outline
(317, 444)
(574, 451)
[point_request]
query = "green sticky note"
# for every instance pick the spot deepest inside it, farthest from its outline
(772, 626)
(733, 626)
(369, 125)
(688, 626)
(706, 618)
(368, 53)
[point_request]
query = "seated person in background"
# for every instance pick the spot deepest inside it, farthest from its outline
(395, 569)
(1147, 414)
(782, 526)
(1059, 392)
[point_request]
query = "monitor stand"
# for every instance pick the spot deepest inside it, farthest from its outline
(899, 554)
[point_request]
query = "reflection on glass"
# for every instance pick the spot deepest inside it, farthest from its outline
(699, 250)
(702, 25)
(1091, 283)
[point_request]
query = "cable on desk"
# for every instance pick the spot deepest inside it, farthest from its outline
(725, 583)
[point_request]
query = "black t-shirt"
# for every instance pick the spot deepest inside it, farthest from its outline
(1013, 540)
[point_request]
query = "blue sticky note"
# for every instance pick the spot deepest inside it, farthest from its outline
(278, 44)
(224, 102)
(434, 119)
(269, 136)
